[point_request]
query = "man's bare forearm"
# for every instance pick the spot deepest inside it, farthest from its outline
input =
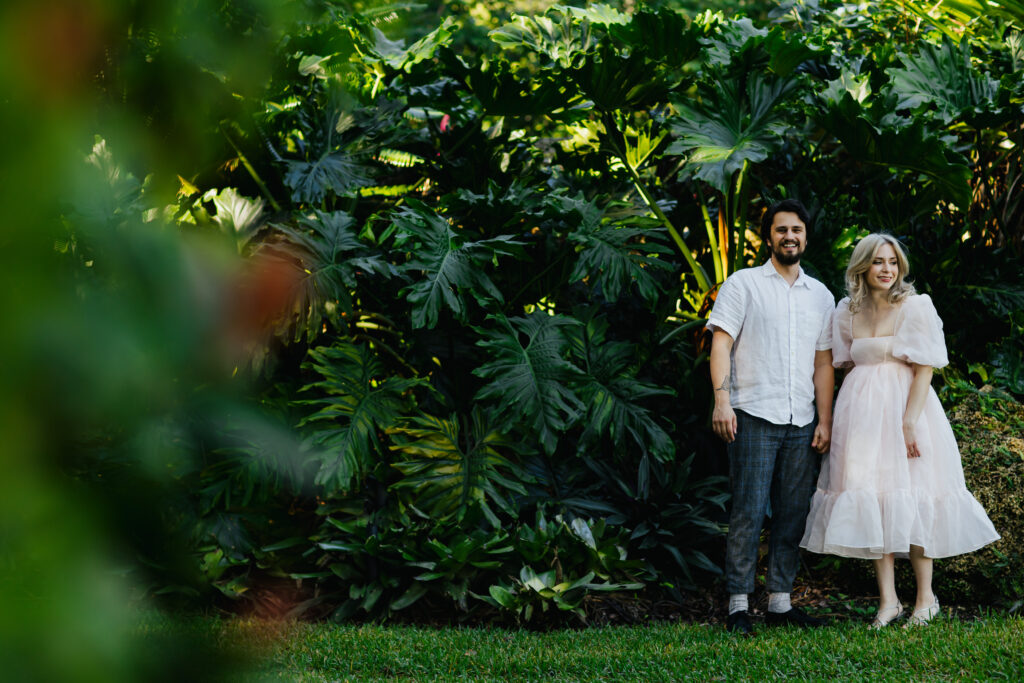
(721, 366)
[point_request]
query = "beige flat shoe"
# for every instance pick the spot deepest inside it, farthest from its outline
(886, 616)
(922, 616)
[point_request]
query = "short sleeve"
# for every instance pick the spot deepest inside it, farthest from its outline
(730, 308)
(824, 342)
(842, 335)
(919, 337)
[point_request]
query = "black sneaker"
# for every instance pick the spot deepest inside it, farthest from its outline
(793, 617)
(739, 622)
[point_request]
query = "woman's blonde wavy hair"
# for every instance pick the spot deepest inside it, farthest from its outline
(860, 262)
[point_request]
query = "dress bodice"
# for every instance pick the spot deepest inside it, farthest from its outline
(872, 350)
(917, 337)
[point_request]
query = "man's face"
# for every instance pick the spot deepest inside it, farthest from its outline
(788, 238)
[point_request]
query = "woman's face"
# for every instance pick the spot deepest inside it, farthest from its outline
(884, 269)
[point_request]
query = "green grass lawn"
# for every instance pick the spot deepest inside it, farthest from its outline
(990, 648)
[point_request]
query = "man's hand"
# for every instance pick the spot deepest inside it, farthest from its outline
(723, 421)
(910, 437)
(822, 438)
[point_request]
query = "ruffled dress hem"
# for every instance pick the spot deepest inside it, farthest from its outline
(867, 524)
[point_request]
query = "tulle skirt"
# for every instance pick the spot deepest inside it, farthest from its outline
(871, 498)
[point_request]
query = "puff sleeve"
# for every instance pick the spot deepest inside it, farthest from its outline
(842, 335)
(919, 336)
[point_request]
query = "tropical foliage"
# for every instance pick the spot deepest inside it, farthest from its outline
(475, 265)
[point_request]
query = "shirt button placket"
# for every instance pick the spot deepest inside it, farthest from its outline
(792, 347)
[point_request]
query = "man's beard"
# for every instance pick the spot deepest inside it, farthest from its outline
(787, 259)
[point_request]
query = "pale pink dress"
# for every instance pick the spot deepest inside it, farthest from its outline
(871, 498)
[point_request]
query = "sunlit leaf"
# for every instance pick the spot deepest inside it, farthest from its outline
(450, 464)
(238, 215)
(731, 125)
(562, 40)
(943, 78)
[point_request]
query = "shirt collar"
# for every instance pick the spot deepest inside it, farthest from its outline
(801, 280)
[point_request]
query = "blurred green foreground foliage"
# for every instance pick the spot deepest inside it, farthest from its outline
(370, 310)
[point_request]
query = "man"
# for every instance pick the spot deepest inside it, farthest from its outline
(771, 363)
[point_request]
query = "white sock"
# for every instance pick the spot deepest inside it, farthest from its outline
(737, 603)
(779, 603)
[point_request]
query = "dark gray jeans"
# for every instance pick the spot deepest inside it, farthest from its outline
(768, 463)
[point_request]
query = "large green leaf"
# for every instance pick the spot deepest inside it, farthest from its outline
(617, 80)
(943, 77)
(614, 254)
(597, 13)
(787, 51)
(913, 147)
(612, 394)
(356, 401)
(237, 215)
(732, 39)
(334, 172)
(444, 264)
(327, 258)
(731, 125)
(528, 374)
(375, 46)
(501, 206)
(503, 93)
(739, 46)
(450, 465)
(561, 39)
(662, 36)
(856, 84)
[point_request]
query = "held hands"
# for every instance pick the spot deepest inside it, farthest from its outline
(822, 438)
(910, 437)
(723, 421)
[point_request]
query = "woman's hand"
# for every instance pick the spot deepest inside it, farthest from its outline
(910, 438)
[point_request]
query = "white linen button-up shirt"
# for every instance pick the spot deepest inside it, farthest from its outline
(776, 329)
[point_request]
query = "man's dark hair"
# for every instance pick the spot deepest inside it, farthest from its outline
(790, 205)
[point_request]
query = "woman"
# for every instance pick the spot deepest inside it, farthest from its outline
(892, 483)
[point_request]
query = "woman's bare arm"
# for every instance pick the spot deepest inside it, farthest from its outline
(915, 404)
